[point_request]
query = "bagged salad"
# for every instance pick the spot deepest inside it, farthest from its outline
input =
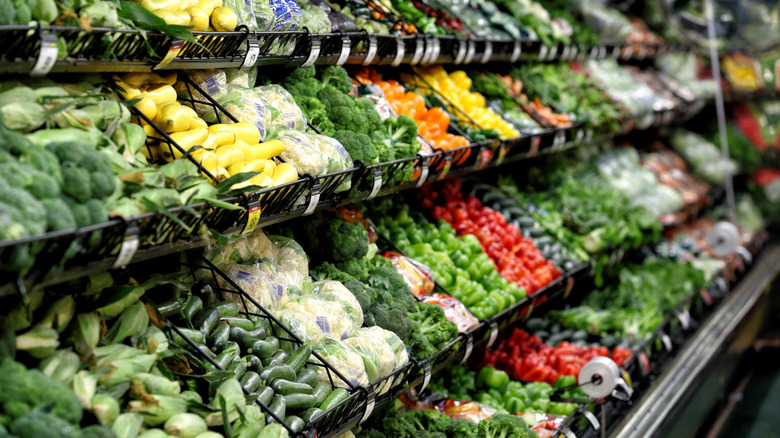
(244, 12)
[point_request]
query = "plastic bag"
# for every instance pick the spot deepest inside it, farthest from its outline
(344, 359)
(213, 83)
(243, 78)
(248, 105)
(395, 343)
(264, 14)
(301, 152)
(337, 157)
(292, 258)
(315, 19)
(287, 16)
(265, 290)
(334, 291)
(454, 311)
(417, 276)
(244, 12)
(285, 113)
(378, 357)
(330, 316)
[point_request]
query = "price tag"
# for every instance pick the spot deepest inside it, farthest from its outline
(370, 403)
(47, 56)
(173, 52)
(592, 419)
(314, 199)
(346, 48)
(316, 46)
(447, 165)
(553, 53)
(642, 52)
(644, 362)
(745, 254)
(543, 51)
(423, 172)
(400, 52)
(428, 53)
(579, 136)
(252, 53)
(426, 377)
(516, 52)
(485, 154)
(575, 51)
(705, 295)
(472, 48)
(685, 318)
(436, 49)
(371, 54)
(565, 53)
(629, 51)
(462, 47)
(569, 287)
(558, 140)
(602, 52)
(377, 183)
(128, 248)
(721, 283)
(594, 53)
(502, 151)
(667, 341)
(493, 334)
(252, 219)
(488, 52)
(565, 433)
(535, 142)
(419, 49)
(615, 52)
(469, 347)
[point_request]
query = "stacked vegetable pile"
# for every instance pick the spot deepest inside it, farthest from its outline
(516, 258)
(340, 250)
(458, 263)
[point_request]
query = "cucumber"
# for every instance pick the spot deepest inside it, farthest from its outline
(192, 306)
(279, 358)
(239, 322)
(298, 359)
(238, 367)
(336, 396)
(254, 363)
(227, 309)
(219, 338)
(295, 423)
(264, 348)
(171, 308)
(311, 413)
(321, 391)
(265, 395)
(535, 324)
(206, 320)
(278, 406)
(247, 338)
(194, 335)
(285, 387)
(233, 348)
(536, 233)
(263, 323)
(223, 361)
(278, 372)
(524, 221)
(542, 241)
(205, 292)
(300, 401)
(307, 376)
(251, 381)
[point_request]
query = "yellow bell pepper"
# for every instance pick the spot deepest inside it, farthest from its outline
(244, 131)
(224, 19)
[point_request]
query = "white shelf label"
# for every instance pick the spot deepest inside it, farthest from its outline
(346, 48)
(372, 47)
(566, 53)
(316, 46)
(47, 56)
(472, 48)
(615, 52)
(469, 348)
(667, 341)
(173, 52)
(400, 52)
(592, 419)
(602, 52)
(685, 318)
(553, 53)
(423, 173)
(314, 199)
(461, 55)
(493, 334)
(377, 183)
(516, 52)
(419, 49)
(252, 53)
(543, 51)
(426, 378)
(488, 52)
(254, 212)
(370, 403)
(128, 249)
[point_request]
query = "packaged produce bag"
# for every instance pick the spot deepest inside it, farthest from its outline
(345, 360)
(301, 152)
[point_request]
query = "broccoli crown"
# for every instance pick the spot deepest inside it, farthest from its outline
(81, 213)
(329, 271)
(97, 431)
(358, 145)
(329, 238)
(505, 426)
(32, 212)
(434, 324)
(315, 113)
(391, 318)
(305, 87)
(383, 151)
(58, 215)
(337, 77)
(365, 294)
(355, 267)
(77, 183)
(390, 280)
(402, 136)
(25, 390)
(460, 427)
(11, 223)
(25, 176)
(369, 115)
(42, 424)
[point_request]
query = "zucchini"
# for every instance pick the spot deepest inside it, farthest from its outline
(307, 376)
(298, 359)
(278, 407)
(219, 338)
(192, 306)
(311, 413)
(251, 381)
(239, 322)
(286, 387)
(278, 372)
(321, 391)
(295, 423)
(279, 358)
(300, 401)
(233, 348)
(206, 320)
(194, 335)
(263, 323)
(171, 308)
(238, 367)
(337, 396)
(246, 339)
(254, 363)
(227, 309)
(264, 348)
(205, 292)
(223, 361)
(265, 395)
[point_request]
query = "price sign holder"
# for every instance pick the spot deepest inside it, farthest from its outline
(372, 48)
(462, 48)
(252, 52)
(569, 287)
(346, 49)
(423, 173)
(399, 53)
(470, 51)
(517, 50)
(377, 183)
(493, 334)
(129, 246)
(173, 52)
(47, 56)
(594, 422)
(314, 199)
(314, 53)
(469, 348)
(553, 52)
(447, 165)
(488, 53)
(419, 50)
(502, 151)
(685, 319)
(254, 212)
(370, 403)
(485, 154)
(543, 51)
(667, 341)
(426, 377)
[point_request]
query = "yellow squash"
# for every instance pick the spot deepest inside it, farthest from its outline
(199, 19)
(208, 6)
(284, 173)
(173, 117)
(224, 19)
(138, 80)
(173, 18)
(244, 131)
(229, 155)
(169, 5)
(126, 90)
(161, 93)
(186, 140)
(246, 166)
(269, 149)
(207, 159)
(147, 107)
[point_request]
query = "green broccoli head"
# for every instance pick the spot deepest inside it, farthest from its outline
(81, 213)
(460, 427)
(337, 77)
(25, 176)
(77, 183)
(58, 215)
(329, 271)
(434, 324)
(355, 267)
(33, 214)
(390, 280)
(315, 113)
(326, 237)
(304, 87)
(11, 223)
(369, 113)
(43, 160)
(392, 318)
(402, 136)
(359, 146)
(42, 424)
(365, 294)
(505, 426)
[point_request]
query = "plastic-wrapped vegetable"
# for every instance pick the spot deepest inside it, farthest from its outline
(378, 357)
(337, 157)
(264, 14)
(267, 290)
(244, 250)
(334, 291)
(301, 152)
(313, 318)
(244, 12)
(248, 105)
(292, 257)
(243, 78)
(285, 113)
(286, 17)
(345, 360)
(315, 19)
(212, 82)
(396, 344)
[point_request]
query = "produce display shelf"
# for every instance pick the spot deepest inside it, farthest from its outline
(34, 49)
